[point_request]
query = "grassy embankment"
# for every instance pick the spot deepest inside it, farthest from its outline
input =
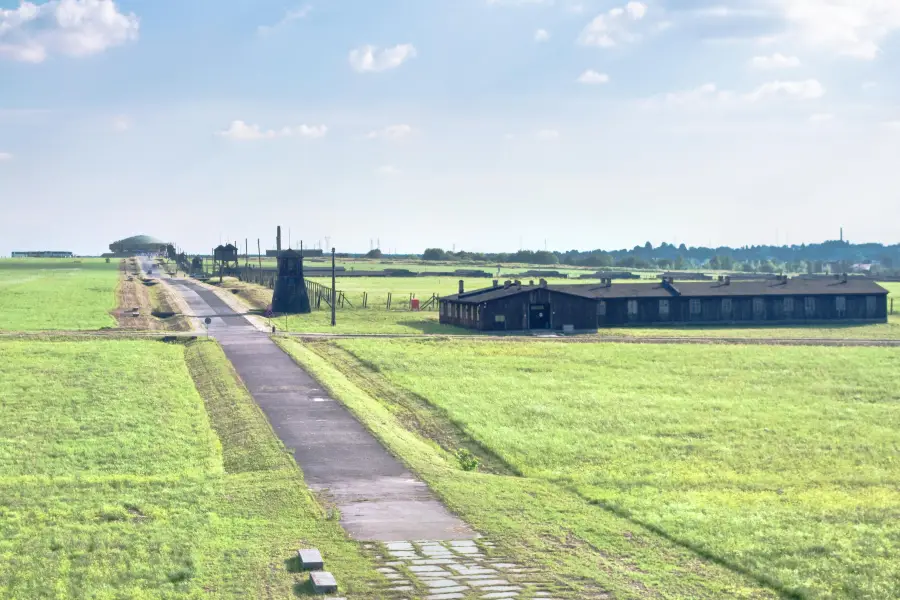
(653, 471)
(57, 294)
(119, 479)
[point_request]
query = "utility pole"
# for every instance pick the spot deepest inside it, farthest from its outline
(333, 291)
(259, 252)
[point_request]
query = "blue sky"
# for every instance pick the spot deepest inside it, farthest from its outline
(485, 124)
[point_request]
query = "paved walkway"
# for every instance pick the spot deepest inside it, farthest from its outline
(379, 499)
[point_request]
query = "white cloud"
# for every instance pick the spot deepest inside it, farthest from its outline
(76, 28)
(775, 61)
(613, 27)
(541, 35)
(636, 10)
(592, 77)
(849, 27)
(723, 12)
(547, 135)
(703, 93)
(821, 118)
(387, 171)
(289, 16)
(869, 85)
(806, 90)
(893, 125)
(370, 59)
(121, 123)
(392, 133)
(5, 156)
(241, 131)
(709, 93)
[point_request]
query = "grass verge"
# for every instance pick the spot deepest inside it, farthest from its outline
(535, 520)
(775, 462)
(144, 470)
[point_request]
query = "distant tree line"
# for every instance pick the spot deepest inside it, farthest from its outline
(831, 256)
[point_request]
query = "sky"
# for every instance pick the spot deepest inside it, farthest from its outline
(483, 125)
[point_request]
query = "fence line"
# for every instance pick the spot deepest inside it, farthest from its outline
(321, 294)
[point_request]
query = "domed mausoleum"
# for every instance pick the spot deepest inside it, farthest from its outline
(138, 244)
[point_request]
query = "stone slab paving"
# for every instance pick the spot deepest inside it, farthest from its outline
(450, 570)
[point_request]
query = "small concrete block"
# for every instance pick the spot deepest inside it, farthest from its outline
(310, 559)
(434, 561)
(502, 595)
(444, 596)
(451, 590)
(487, 582)
(426, 569)
(461, 543)
(473, 570)
(399, 546)
(440, 583)
(323, 582)
(404, 554)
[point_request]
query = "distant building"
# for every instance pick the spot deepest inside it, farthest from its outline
(43, 254)
(139, 244)
(517, 307)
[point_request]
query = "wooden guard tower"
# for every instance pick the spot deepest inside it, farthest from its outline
(290, 288)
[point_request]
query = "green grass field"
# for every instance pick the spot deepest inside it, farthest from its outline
(57, 294)
(683, 471)
(118, 479)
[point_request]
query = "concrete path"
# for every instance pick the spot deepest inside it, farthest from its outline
(379, 499)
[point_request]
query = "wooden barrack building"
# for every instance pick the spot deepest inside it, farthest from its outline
(517, 307)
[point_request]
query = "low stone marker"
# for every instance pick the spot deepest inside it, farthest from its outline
(310, 559)
(323, 582)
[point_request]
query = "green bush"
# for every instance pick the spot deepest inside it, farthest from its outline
(467, 460)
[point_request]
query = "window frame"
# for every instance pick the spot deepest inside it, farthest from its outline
(788, 305)
(695, 306)
(727, 306)
(809, 306)
(633, 308)
(759, 306)
(664, 308)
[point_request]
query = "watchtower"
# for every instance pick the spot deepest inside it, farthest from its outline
(225, 259)
(290, 288)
